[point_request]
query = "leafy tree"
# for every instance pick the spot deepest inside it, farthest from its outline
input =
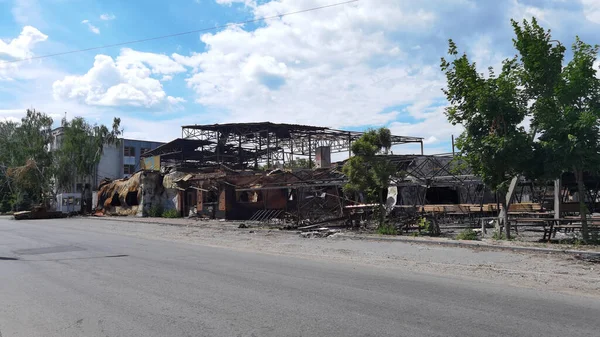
(367, 172)
(566, 104)
(491, 109)
(81, 148)
(25, 162)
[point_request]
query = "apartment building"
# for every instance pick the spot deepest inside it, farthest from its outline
(117, 161)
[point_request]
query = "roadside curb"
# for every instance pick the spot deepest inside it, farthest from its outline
(124, 219)
(452, 243)
(466, 244)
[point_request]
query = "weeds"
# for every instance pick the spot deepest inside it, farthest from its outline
(428, 227)
(387, 229)
(155, 211)
(498, 235)
(171, 213)
(467, 234)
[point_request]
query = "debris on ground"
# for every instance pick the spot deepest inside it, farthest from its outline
(39, 212)
(593, 258)
(243, 225)
(322, 232)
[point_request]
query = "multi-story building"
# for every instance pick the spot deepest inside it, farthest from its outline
(117, 161)
(122, 160)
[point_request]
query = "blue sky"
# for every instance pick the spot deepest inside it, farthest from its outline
(366, 64)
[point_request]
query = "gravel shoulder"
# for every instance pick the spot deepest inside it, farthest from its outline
(551, 272)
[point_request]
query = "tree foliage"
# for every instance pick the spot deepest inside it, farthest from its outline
(566, 104)
(25, 160)
(81, 148)
(28, 167)
(562, 102)
(367, 172)
(491, 109)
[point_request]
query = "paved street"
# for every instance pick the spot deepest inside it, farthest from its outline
(62, 278)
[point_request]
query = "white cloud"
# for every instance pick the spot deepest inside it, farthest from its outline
(19, 48)
(313, 68)
(107, 17)
(124, 81)
(159, 63)
(91, 27)
(591, 10)
(249, 3)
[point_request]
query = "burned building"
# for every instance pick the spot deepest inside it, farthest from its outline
(247, 170)
(242, 146)
(437, 179)
(132, 196)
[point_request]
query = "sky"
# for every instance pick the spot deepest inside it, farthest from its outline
(356, 66)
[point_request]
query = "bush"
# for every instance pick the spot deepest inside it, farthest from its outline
(171, 213)
(498, 235)
(428, 227)
(387, 229)
(5, 206)
(155, 211)
(467, 234)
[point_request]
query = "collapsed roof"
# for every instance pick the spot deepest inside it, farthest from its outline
(243, 145)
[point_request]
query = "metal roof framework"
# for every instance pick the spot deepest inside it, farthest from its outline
(241, 144)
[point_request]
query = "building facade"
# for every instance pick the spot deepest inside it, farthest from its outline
(118, 160)
(123, 160)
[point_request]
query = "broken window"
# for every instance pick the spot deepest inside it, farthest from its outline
(249, 196)
(442, 195)
(128, 169)
(210, 196)
(115, 200)
(129, 151)
(131, 198)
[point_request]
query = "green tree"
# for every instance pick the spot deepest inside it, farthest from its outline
(367, 171)
(565, 105)
(25, 160)
(491, 109)
(81, 148)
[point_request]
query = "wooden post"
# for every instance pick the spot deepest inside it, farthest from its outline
(452, 145)
(422, 152)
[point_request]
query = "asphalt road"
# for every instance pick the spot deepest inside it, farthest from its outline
(65, 280)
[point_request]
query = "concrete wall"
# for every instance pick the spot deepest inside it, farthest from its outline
(111, 163)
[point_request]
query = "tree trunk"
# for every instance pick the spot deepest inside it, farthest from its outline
(582, 205)
(505, 218)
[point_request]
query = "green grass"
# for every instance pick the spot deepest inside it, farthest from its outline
(467, 234)
(387, 229)
(155, 211)
(171, 213)
(498, 235)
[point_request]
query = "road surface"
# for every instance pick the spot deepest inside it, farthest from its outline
(62, 278)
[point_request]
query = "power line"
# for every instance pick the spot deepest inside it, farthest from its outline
(182, 33)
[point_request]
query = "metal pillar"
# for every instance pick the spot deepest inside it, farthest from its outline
(268, 150)
(557, 198)
(309, 152)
